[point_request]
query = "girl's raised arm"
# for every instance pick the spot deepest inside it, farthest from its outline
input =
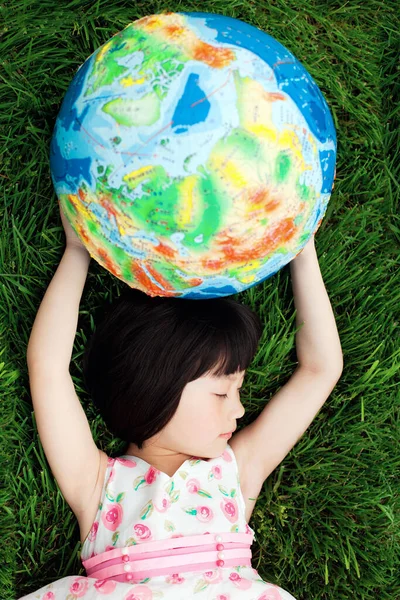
(61, 421)
(263, 444)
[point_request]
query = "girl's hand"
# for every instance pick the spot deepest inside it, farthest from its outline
(308, 248)
(71, 237)
(310, 244)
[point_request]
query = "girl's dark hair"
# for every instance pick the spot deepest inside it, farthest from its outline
(147, 349)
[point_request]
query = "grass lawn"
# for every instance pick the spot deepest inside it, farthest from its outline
(327, 519)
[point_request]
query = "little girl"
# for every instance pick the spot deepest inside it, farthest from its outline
(168, 519)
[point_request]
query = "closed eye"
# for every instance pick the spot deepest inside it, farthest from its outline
(225, 395)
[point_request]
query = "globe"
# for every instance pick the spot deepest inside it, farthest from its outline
(193, 155)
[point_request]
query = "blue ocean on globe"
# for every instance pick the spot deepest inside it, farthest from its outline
(194, 155)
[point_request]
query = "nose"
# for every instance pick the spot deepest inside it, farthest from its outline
(240, 410)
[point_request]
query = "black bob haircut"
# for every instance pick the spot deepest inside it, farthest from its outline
(147, 349)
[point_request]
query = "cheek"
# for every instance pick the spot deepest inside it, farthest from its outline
(199, 414)
(205, 414)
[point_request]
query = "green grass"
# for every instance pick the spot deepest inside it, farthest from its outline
(327, 520)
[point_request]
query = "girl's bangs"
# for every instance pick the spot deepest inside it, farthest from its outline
(228, 351)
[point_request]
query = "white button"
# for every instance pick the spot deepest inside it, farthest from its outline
(124, 551)
(218, 538)
(127, 567)
(220, 555)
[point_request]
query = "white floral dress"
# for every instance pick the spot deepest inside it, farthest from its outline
(139, 504)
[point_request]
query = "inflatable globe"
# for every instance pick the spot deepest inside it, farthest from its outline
(193, 155)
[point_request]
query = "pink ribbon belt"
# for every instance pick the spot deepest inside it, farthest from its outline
(170, 556)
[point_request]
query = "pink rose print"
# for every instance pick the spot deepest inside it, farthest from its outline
(204, 514)
(150, 476)
(126, 463)
(213, 576)
(49, 596)
(223, 597)
(230, 509)
(140, 592)
(272, 593)
(112, 516)
(193, 486)
(240, 582)
(111, 477)
(226, 456)
(93, 531)
(249, 530)
(142, 532)
(79, 587)
(108, 548)
(165, 503)
(217, 472)
(105, 587)
(175, 579)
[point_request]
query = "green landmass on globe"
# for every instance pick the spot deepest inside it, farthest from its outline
(194, 155)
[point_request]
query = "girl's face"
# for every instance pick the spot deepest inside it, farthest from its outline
(209, 407)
